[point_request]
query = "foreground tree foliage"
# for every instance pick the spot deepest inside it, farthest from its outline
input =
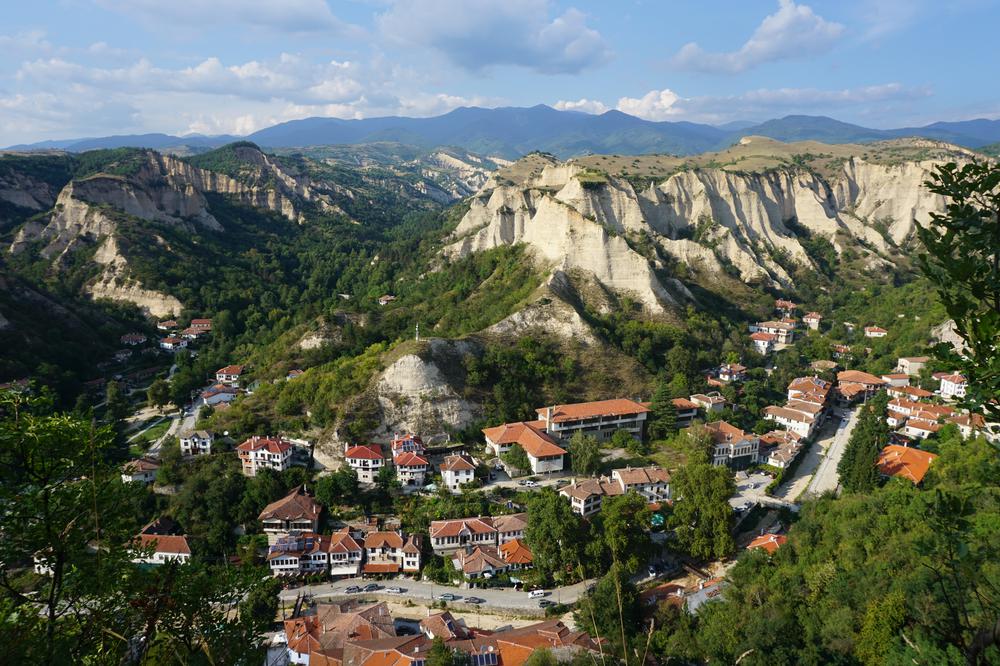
(901, 575)
(701, 516)
(64, 507)
(962, 259)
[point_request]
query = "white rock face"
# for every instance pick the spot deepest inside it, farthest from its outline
(701, 217)
(414, 394)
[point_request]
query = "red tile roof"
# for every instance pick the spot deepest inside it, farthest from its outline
(177, 545)
(535, 441)
(768, 542)
(409, 459)
(516, 551)
(230, 370)
(684, 404)
(383, 540)
(448, 528)
(586, 410)
(293, 506)
(365, 451)
(271, 444)
(456, 464)
(859, 377)
(381, 568)
(905, 462)
(763, 337)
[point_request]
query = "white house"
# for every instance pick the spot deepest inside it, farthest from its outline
(259, 453)
(544, 455)
(229, 375)
(732, 372)
(763, 342)
(172, 343)
(456, 471)
(196, 442)
(875, 332)
(391, 553)
(140, 470)
(953, 386)
(587, 496)
(219, 393)
(813, 320)
(732, 447)
(799, 422)
(783, 331)
(411, 469)
(912, 365)
(709, 402)
(165, 548)
(366, 461)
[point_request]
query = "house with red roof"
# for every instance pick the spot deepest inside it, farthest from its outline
(875, 332)
(456, 471)
(763, 342)
(133, 339)
(953, 386)
(732, 372)
(229, 375)
(140, 470)
(544, 454)
(258, 453)
(813, 320)
(769, 543)
(587, 495)
(165, 548)
(517, 554)
(450, 535)
(172, 343)
(912, 365)
(733, 447)
(202, 324)
(407, 443)
(411, 468)
(295, 512)
(366, 460)
(783, 331)
(905, 462)
(166, 325)
(686, 410)
(391, 553)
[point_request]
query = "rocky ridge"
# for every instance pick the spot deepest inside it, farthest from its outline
(711, 219)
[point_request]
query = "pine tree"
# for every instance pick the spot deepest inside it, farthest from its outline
(663, 417)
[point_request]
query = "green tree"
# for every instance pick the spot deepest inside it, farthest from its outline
(857, 470)
(701, 516)
(261, 605)
(880, 629)
(340, 487)
(158, 393)
(555, 535)
(962, 260)
(585, 454)
(171, 463)
(117, 403)
(516, 459)
(440, 654)
(623, 527)
(611, 612)
(386, 481)
(663, 413)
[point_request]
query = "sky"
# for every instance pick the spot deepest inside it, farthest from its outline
(78, 68)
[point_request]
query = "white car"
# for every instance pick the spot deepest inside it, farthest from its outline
(394, 590)
(537, 594)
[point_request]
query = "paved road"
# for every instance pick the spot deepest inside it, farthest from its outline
(750, 490)
(826, 477)
(425, 592)
(181, 421)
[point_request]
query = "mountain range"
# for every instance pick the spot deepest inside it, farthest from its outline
(510, 132)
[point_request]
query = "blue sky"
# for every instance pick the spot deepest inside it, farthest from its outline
(94, 67)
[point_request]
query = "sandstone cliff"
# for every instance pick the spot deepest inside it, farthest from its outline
(573, 217)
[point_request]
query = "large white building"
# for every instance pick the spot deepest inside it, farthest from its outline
(953, 386)
(733, 447)
(601, 419)
(411, 468)
(586, 496)
(295, 512)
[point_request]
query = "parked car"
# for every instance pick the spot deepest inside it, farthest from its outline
(545, 603)
(537, 594)
(531, 484)
(372, 587)
(353, 589)
(522, 482)
(447, 596)
(474, 600)
(395, 590)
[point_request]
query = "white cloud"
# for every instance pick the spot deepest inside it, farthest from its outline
(793, 31)
(478, 34)
(584, 105)
(297, 16)
(757, 104)
(654, 105)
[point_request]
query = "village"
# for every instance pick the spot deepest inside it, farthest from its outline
(344, 579)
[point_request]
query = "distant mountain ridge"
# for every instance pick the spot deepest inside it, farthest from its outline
(510, 132)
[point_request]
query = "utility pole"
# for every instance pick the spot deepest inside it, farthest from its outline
(417, 335)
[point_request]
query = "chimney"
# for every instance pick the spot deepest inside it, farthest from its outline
(548, 417)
